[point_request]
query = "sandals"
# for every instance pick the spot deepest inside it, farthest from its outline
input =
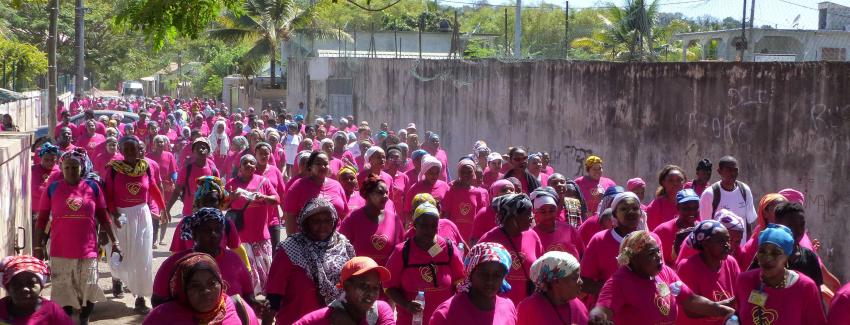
(141, 308)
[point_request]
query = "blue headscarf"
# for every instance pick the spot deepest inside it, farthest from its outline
(48, 148)
(703, 231)
(778, 235)
(198, 218)
(416, 154)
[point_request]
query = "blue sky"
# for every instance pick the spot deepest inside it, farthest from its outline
(777, 13)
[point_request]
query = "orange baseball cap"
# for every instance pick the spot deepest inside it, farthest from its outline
(360, 265)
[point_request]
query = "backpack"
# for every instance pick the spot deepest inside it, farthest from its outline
(405, 253)
(715, 189)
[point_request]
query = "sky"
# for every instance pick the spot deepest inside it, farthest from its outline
(776, 13)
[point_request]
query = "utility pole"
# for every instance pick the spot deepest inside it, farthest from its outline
(80, 47)
(752, 14)
(566, 29)
(51, 66)
(742, 46)
(518, 30)
(506, 31)
(179, 72)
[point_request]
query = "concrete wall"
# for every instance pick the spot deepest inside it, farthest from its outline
(788, 123)
(15, 213)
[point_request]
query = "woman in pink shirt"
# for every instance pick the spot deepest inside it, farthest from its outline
(663, 207)
(493, 171)
(373, 230)
(41, 172)
(427, 182)
(415, 167)
(200, 166)
(427, 263)
(839, 310)
(571, 206)
(432, 146)
(463, 200)
(75, 207)
(535, 168)
(199, 295)
(205, 228)
(24, 278)
(305, 271)
(554, 235)
(348, 180)
(361, 280)
(316, 184)
(377, 159)
(688, 213)
(275, 176)
(219, 143)
(645, 289)
(109, 153)
(558, 284)
(593, 185)
(478, 300)
(445, 228)
(90, 139)
(168, 171)
(131, 188)
(711, 273)
(210, 194)
(238, 145)
(251, 195)
(766, 215)
(399, 180)
(514, 232)
(774, 294)
(485, 218)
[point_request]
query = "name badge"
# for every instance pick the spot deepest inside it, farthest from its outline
(434, 250)
(757, 298)
(663, 289)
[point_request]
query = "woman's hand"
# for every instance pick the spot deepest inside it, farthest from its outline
(117, 249)
(413, 307)
(816, 244)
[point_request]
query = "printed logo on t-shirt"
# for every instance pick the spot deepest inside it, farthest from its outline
(556, 248)
(762, 316)
(465, 208)
(92, 145)
(134, 188)
(74, 203)
(663, 304)
(425, 273)
(516, 259)
(379, 241)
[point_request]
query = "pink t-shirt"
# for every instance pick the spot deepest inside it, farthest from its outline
(460, 310)
(38, 183)
(715, 286)
(335, 164)
(375, 240)
(440, 154)
(538, 310)
(355, 202)
(100, 160)
(73, 231)
(305, 189)
(592, 190)
(565, 238)
(412, 177)
(798, 304)
(90, 143)
(167, 165)
(175, 313)
(600, 257)
(189, 193)
(233, 272)
(124, 191)
(699, 188)
(275, 178)
(460, 205)
(324, 316)
(255, 213)
(530, 248)
(397, 188)
(485, 220)
(839, 310)
(659, 211)
(299, 295)
(419, 277)
(653, 301)
(438, 190)
(446, 229)
(589, 228)
(47, 313)
(361, 177)
(666, 231)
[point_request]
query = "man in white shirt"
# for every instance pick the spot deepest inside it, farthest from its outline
(735, 196)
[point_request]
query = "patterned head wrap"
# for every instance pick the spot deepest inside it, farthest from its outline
(509, 206)
(198, 218)
(608, 198)
(592, 160)
(422, 198)
(778, 235)
(183, 271)
(552, 266)
(347, 169)
(16, 264)
(317, 205)
(702, 232)
(79, 154)
(485, 252)
(48, 149)
(730, 220)
(632, 245)
(425, 208)
(208, 184)
(543, 196)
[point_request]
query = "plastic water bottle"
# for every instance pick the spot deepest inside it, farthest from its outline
(115, 261)
(460, 247)
(732, 320)
(420, 299)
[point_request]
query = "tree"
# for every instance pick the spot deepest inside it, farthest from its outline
(165, 20)
(264, 24)
(21, 61)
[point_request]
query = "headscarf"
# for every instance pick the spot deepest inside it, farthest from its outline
(340, 134)
(465, 162)
(508, 206)
(573, 186)
(730, 220)
(241, 142)
(48, 148)
(321, 260)
(208, 184)
(264, 144)
(429, 162)
(16, 264)
(183, 270)
(425, 208)
(485, 252)
(793, 195)
(608, 198)
(198, 218)
(702, 232)
(634, 183)
(592, 160)
(497, 187)
(494, 156)
(543, 196)
(632, 245)
(371, 151)
(418, 153)
(346, 169)
(622, 198)
(219, 141)
(423, 198)
(765, 201)
(79, 154)
(552, 266)
(778, 235)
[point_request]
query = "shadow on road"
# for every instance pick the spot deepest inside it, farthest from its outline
(114, 309)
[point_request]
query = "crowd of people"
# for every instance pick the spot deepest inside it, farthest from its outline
(331, 222)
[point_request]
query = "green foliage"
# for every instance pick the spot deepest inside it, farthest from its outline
(478, 49)
(165, 20)
(213, 87)
(25, 60)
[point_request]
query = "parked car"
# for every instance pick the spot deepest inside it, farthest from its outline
(78, 119)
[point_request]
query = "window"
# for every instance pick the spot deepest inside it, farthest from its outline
(833, 54)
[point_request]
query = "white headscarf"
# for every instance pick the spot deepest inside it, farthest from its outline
(428, 162)
(219, 138)
(629, 195)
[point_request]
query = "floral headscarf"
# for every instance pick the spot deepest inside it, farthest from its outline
(485, 252)
(200, 217)
(702, 232)
(16, 264)
(48, 149)
(183, 271)
(632, 245)
(552, 266)
(79, 154)
(207, 185)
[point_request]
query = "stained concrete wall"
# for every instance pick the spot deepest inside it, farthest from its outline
(788, 123)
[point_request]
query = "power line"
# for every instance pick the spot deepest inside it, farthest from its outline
(553, 6)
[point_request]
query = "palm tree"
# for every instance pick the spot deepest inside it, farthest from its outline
(264, 24)
(628, 34)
